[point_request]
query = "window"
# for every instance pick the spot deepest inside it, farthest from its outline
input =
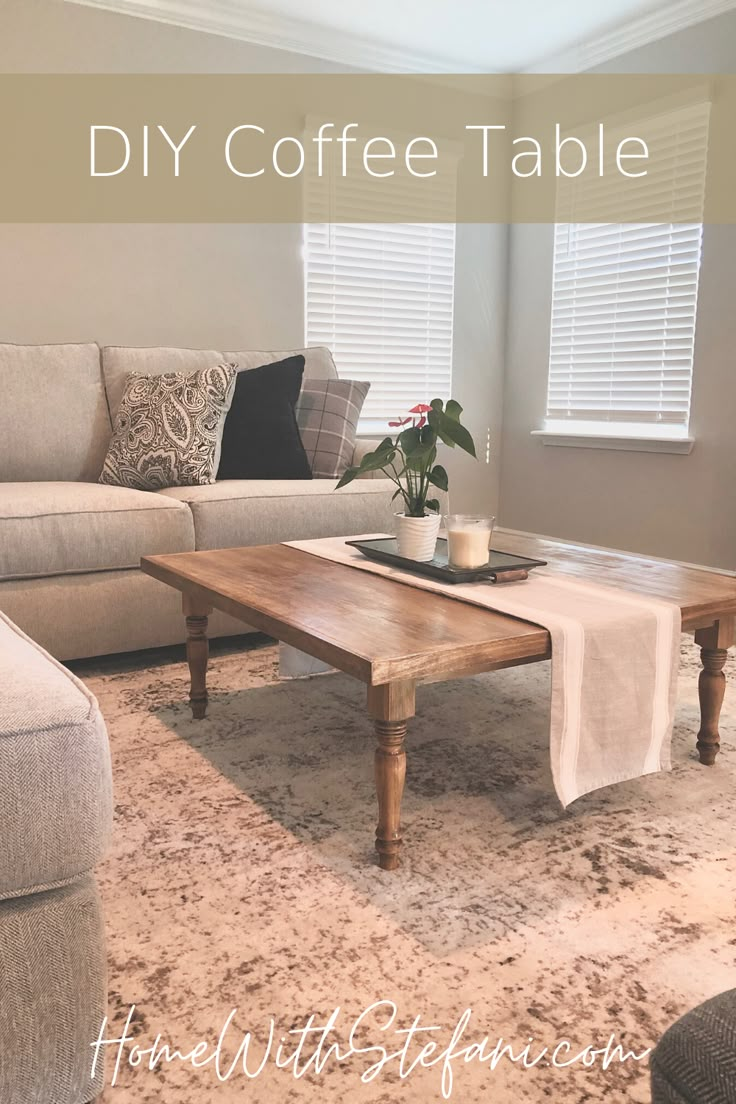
(623, 325)
(381, 297)
(624, 298)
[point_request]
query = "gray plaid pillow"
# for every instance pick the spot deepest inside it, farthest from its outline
(327, 414)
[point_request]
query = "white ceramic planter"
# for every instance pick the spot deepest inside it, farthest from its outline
(417, 537)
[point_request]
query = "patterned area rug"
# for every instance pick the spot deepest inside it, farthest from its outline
(242, 877)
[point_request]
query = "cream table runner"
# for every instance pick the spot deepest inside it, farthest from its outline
(615, 659)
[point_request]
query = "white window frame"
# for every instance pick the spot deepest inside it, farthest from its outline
(611, 432)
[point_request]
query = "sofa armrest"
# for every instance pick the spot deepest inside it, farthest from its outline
(363, 446)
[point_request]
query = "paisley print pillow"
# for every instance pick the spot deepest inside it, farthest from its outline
(168, 429)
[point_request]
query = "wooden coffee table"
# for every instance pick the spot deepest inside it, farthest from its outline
(392, 636)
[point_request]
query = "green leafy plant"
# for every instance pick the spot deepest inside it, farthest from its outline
(409, 458)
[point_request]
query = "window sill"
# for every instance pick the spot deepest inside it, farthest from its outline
(620, 441)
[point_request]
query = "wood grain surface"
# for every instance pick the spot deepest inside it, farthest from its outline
(380, 630)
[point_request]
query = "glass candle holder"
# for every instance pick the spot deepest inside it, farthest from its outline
(468, 539)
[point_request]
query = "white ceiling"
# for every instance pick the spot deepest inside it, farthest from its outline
(503, 36)
(493, 35)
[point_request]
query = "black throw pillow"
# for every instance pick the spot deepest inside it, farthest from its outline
(261, 438)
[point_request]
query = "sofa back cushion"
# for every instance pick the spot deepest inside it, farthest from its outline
(118, 361)
(318, 362)
(54, 423)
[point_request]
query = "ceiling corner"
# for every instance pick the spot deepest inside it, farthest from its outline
(677, 15)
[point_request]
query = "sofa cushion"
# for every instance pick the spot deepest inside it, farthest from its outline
(238, 512)
(118, 361)
(318, 361)
(63, 528)
(55, 781)
(54, 422)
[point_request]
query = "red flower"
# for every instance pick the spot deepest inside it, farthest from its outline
(420, 408)
(401, 422)
(422, 422)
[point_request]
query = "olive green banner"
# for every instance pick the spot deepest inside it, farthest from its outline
(367, 148)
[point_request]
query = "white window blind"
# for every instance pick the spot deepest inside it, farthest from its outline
(624, 305)
(380, 295)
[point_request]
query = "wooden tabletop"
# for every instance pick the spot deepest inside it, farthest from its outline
(380, 630)
(702, 595)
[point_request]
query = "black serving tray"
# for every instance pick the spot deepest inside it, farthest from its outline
(501, 567)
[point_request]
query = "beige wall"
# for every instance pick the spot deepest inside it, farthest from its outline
(668, 505)
(479, 345)
(214, 286)
(208, 285)
(674, 506)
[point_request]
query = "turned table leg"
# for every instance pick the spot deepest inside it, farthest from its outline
(714, 643)
(391, 705)
(197, 656)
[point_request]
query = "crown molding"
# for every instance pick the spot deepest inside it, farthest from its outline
(233, 19)
(677, 15)
(236, 19)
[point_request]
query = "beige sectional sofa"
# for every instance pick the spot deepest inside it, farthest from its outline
(70, 547)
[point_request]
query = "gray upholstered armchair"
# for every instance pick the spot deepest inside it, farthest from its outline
(695, 1060)
(55, 818)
